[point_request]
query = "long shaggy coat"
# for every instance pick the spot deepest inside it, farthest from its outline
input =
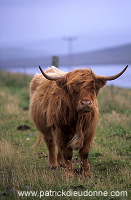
(54, 110)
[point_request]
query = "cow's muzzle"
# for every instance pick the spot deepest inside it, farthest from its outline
(85, 106)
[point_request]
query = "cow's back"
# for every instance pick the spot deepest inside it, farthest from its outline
(38, 79)
(35, 82)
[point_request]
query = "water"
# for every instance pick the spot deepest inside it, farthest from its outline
(106, 70)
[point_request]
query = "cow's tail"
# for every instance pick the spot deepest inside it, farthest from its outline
(39, 140)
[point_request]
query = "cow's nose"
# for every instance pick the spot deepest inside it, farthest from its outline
(85, 105)
(86, 102)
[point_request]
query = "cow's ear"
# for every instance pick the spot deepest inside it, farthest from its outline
(61, 82)
(101, 82)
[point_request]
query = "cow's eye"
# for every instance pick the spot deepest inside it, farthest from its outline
(91, 90)
(75, 92)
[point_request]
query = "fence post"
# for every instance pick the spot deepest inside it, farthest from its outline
(55, 61)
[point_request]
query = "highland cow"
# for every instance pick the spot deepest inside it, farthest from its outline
(64, 109)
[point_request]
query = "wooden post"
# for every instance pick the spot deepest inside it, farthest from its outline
(55, 61)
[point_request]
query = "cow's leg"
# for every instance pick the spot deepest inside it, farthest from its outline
(60, 158)
(85, 166)
(67, 154)
(51, 148)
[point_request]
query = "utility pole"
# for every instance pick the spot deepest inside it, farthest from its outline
(70, 48)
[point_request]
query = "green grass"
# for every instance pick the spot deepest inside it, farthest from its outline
(25, 168)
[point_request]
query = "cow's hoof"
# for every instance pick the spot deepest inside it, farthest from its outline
(53, 166)
(61, 164)
(87, 174)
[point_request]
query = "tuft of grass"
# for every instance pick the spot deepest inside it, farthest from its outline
(23, 168)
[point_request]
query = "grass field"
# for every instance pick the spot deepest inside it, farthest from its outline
(23, 168)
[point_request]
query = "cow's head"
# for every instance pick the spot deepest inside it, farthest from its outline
(82, 86)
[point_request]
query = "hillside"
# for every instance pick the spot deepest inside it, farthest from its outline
(114, 55)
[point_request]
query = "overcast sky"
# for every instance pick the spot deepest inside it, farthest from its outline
(37, 23)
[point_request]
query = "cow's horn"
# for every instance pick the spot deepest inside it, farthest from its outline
(53, 78)
(110, 78)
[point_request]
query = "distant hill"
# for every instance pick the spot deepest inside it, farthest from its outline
(114, 55)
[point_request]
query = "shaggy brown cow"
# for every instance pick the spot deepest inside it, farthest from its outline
(64, 108)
